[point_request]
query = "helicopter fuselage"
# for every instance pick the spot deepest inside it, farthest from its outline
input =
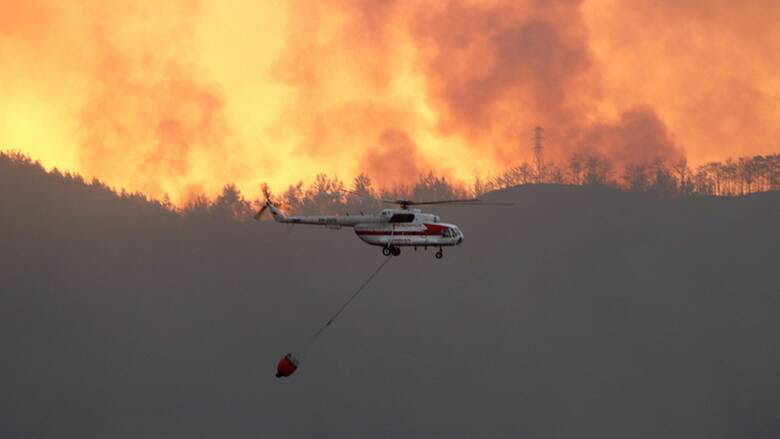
(388, 228)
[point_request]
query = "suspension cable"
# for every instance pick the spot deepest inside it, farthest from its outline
(344, 306)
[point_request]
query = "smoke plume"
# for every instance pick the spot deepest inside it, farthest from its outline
(163, 99)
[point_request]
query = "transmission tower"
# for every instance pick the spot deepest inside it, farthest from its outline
(539, 162)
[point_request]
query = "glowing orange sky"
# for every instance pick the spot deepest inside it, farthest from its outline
(190, 95)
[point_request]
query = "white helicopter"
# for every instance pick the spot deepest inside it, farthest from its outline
(390, 228)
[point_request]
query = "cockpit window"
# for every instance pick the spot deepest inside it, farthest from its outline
(402, 218)
(447, 233)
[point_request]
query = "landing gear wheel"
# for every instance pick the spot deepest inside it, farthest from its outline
(439, 254)
(386, 251)
(395, 251)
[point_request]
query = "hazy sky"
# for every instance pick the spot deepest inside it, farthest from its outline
(184, 96)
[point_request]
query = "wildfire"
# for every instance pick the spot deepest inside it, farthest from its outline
(185, 97)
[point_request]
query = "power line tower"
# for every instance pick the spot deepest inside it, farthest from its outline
(539, 162)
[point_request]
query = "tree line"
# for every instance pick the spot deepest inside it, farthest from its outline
(326, 194)
(738, 177)
(742, 176)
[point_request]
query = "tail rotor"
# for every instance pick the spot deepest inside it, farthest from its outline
(266, 204)
(259, 213)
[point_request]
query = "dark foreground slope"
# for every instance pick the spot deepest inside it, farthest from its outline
(579, 312)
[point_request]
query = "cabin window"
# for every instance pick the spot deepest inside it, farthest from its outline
(402, 218)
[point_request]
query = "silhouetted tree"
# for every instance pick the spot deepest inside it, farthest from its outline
(431, 187)
(231, 205)
(292, 198)
(597, 169)
(324, 196)
(523, 174)
(197, 208)
(663, 182)
(554, 174)
(682, 172)
(577, 168)
(362, 197)
(482, 186)
(635, 177)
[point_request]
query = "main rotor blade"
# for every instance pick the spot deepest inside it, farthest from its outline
(462, 202)
(486, 203)
(424, 203)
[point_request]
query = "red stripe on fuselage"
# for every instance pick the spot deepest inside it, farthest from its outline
(382, 233)
(430, 230)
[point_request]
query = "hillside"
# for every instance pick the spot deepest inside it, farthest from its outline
(578, 312)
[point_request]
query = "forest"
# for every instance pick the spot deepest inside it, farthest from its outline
(577, 311)
(733, 177)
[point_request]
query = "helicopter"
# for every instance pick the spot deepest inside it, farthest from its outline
(391, 228)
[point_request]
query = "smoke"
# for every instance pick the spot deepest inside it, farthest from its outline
(490, 73)
(394, 160)
(151, 118)
(140, 112)
(25, 21)
(146, 129)
(707, 69)
(166, 98)
(638, 136)
(507, 67)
